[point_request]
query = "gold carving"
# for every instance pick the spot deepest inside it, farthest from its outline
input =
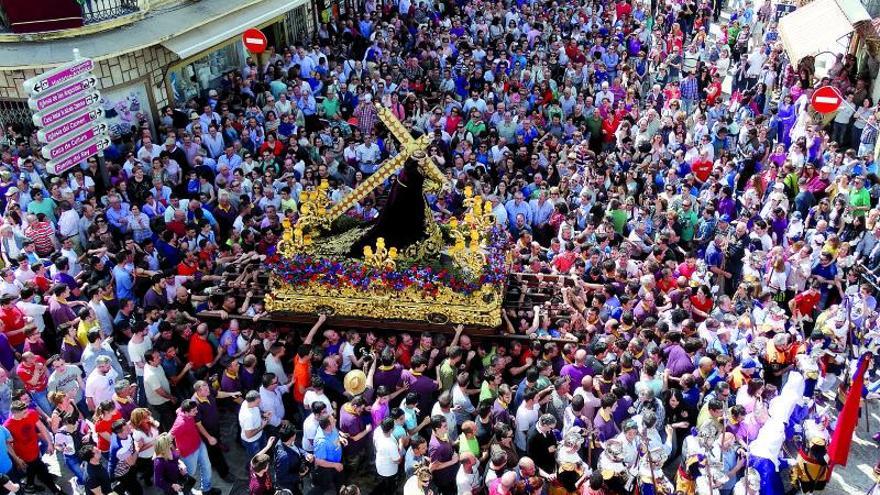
(293, 240)
(430, 246)
(382, 257)
(481, 308)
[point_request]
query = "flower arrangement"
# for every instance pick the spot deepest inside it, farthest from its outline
(335, 272)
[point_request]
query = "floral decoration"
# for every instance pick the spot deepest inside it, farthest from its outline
(303, 269)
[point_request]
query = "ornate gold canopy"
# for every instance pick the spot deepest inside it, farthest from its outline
(377, 286)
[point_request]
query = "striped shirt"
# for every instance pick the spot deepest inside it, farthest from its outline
(41, 233)
(689, 89)
(869, 135)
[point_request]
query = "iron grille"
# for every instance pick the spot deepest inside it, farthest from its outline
(104, 10)
(16, 112)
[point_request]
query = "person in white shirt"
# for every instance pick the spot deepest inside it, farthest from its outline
(310, 425)
(67, 250)
(99, 384)
(157, 390)
(418, 483)
(316, 393)
(9, 284)
(346, 350)
(68, 223)
(368, 155)
(33, 311)
(147, 152)
(252, 422)
(24, 273)
(388, 456)
(97, 305)
(467, 480)
(273, 363)
(138, 346)
(527, 415)
(144, 434)
(271, 400)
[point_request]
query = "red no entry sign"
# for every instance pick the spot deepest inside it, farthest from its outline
(254, 40)
(826, 99)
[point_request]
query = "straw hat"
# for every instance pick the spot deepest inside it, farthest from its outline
(355, 382)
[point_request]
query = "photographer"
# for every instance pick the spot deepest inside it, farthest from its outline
(734, 458)
(291, 462)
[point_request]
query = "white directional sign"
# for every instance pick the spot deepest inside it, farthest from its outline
(77, 88)
(67, 162)
(75, 141)
(66, 105)
(83, 104)
(55, 77)
(94, 117)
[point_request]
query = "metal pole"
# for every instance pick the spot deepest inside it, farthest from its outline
(102, 167)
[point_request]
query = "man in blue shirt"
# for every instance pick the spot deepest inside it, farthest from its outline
(328, 457)
(123, 277)
(5, 460)
(516, 206)
(825, 272)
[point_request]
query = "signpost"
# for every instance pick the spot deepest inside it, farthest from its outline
(255, 41)
(91, 135)
(67, 162)
(826, 99)
(65, 101)
(44, 102)
(48, 80)
(77, 106)
(94, 117)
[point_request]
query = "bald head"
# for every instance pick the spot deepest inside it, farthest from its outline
(580, 356)
(526, 464)
(508, 479)
(587, 383)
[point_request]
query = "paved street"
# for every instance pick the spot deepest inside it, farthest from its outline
(857, 476)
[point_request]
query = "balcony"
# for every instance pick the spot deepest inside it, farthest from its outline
(104, 10)
(45, 19)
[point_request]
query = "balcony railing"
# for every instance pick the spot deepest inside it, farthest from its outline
(18, 18)
(103, 10)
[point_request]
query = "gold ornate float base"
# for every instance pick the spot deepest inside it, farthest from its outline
(480, 308)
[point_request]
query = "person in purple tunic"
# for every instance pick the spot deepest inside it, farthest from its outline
(423, 386)
(389, 372)
(444, 460)
(603, 423)
(786, 118)
(352, 422)
(578, 369)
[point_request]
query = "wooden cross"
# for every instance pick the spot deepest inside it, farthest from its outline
(408, 146)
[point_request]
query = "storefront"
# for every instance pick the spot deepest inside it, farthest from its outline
(821, 29)
(209, 54)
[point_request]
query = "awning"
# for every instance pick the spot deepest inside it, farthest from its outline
(229, 26)
(818, 25)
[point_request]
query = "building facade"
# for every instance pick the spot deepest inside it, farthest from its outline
(148, 53)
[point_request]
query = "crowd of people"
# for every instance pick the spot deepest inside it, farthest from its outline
(694, 263)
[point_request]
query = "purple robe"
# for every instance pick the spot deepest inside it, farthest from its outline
(605, 430)
(787, 119)
(389, 378)
(575, 372)
(624, 409)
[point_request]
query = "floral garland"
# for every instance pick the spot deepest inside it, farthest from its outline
(303, 269)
